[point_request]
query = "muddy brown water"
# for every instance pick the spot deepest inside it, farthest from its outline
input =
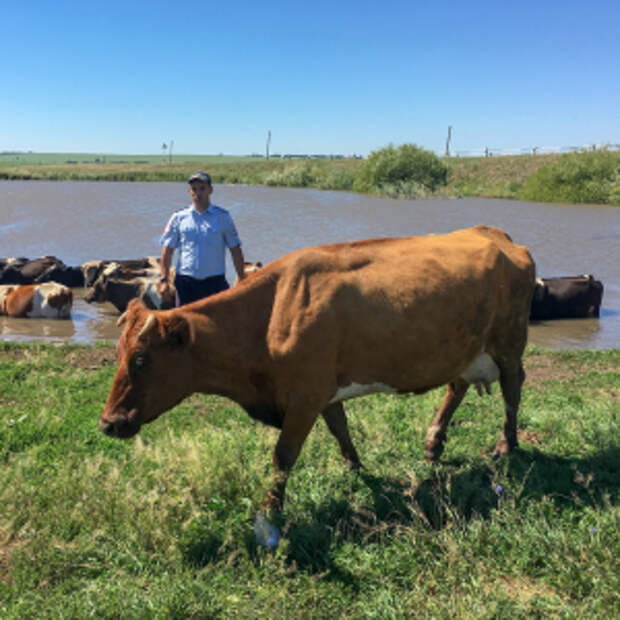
(81, 221)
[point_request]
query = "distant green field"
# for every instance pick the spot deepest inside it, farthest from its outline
(11, 160)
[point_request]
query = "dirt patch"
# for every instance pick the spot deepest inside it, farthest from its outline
(13, 355)
(528, 436)
(542, 368)
(92, 359)
(524, 589)
(87, 358)
(5, 557)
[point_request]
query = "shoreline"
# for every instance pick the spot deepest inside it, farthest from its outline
(468, 177)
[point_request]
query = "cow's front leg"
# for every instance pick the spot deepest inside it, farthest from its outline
(336, 420)
(436, 434)
(295, 429)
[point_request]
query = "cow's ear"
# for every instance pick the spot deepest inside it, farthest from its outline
(136, 304)
(178, 332)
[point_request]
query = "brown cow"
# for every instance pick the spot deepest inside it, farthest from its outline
(334, 322)
(48, 300)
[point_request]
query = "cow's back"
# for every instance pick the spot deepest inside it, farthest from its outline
(438, 300)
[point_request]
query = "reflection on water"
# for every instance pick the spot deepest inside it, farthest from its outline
(88, 220)
(30, 329)
(564, 333)
(88, 323)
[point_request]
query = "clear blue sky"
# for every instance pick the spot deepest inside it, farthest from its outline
(324, 76)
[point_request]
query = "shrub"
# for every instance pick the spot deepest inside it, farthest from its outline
(339, 178)
(404, 170)
(576, 178)
(295, 175)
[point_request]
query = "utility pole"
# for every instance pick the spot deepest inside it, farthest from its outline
(170, 151)
(448, 139)
(268, 144)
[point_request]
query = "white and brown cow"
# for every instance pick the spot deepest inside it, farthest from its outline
(49, 300)
(119, 285)
(325, 324)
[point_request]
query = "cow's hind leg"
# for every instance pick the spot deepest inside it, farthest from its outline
(336, 420)
(511, 379)
(436, 434)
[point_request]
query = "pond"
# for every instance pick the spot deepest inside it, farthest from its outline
(81, 221)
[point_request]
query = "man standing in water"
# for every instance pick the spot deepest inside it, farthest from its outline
(201, 233)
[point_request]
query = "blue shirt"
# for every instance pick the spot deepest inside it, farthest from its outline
(201, 240)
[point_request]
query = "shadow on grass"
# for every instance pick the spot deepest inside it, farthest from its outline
(452, 495)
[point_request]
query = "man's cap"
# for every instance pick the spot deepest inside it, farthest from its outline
(200, 176)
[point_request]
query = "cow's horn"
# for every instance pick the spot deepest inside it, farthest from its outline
(121, 319)
(147, 325)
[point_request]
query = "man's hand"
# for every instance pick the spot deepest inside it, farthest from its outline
(164, 291)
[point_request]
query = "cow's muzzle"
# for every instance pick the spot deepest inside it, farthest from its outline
(121, 427)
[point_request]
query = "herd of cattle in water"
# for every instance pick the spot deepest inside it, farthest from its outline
(42, 288)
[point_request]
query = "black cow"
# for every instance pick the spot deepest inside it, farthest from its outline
(570, 297)
(38, 270)
(10, 270)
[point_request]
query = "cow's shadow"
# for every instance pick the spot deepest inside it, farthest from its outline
(453, 493)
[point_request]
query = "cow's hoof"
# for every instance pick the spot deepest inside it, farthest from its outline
(354, 466)
(432, 453)
(267, 535)
(502, 448)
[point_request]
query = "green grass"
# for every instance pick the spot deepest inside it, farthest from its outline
(161, 525)
(539, 178)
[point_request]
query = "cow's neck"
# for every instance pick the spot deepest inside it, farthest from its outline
(230, 344)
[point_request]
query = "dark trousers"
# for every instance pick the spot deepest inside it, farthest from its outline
(192, 289)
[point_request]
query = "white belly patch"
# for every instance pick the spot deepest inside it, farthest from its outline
(483, 369)
(359, 389)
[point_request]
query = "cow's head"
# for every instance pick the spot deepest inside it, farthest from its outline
(91, 271)
(97, 291)
(152, 374)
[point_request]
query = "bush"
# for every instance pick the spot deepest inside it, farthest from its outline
(592, 178)
(339, 178)
(406, 170)
(295, 175)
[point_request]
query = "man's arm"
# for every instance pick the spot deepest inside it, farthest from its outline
(165, 260)
(238, 260)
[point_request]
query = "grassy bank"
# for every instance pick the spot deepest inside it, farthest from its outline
(499, 177)
(160, 526)
(488, 177)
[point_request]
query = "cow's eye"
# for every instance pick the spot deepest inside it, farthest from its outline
(139, 362)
